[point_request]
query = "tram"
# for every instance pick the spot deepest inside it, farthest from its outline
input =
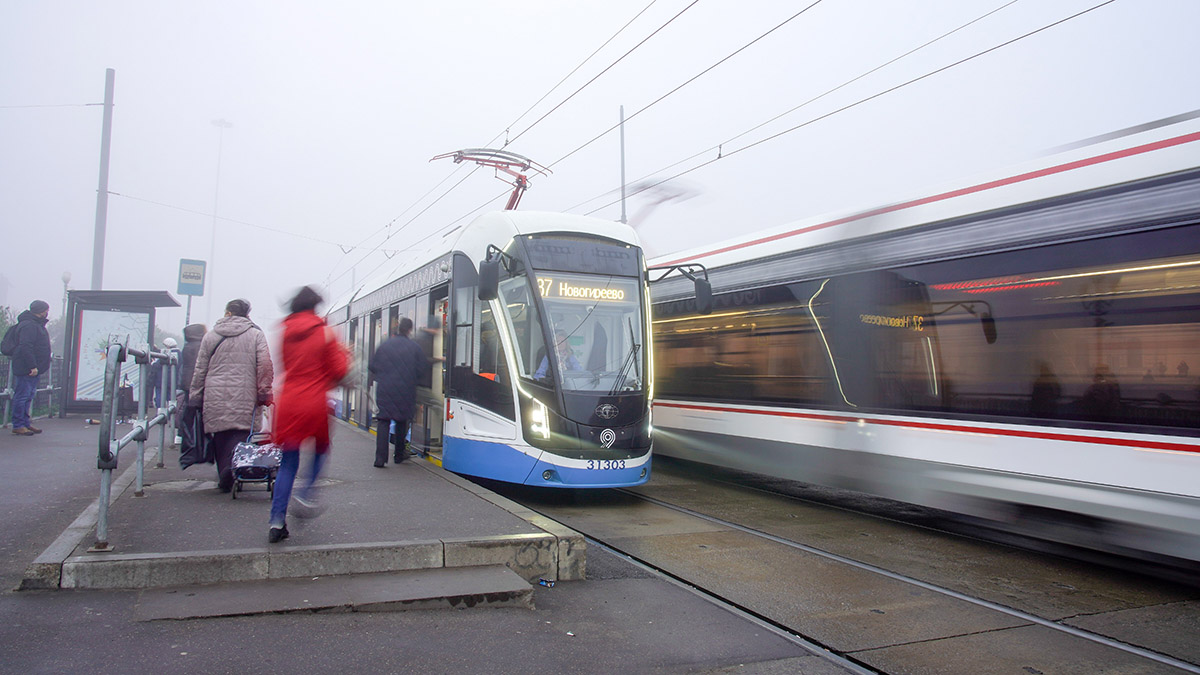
(546, 378)
(1023, 348)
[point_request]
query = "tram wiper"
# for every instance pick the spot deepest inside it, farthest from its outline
(630, 359)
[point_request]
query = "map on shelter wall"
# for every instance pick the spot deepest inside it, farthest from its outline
(97, 330)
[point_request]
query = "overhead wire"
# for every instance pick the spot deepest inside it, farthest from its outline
(814, 99)
(725, 155)
(330, 279)
(686, 83)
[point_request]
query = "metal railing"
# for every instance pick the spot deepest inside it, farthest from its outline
(110, 447)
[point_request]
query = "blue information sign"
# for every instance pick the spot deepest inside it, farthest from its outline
(191, 277)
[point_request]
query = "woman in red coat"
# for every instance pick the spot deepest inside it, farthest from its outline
(313, 363)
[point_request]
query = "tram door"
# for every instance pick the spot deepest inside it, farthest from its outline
(427, 427)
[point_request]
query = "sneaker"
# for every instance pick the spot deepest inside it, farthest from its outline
(306, 508)
(34, 429)
(23, 431)
(277, 534)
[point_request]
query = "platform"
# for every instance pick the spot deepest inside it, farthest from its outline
(413, 516)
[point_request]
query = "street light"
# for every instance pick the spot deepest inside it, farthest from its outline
(221, 126)
(66, 279)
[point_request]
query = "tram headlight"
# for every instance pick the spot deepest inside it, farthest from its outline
(539, 419)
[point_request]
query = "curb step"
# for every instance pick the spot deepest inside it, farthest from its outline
(439, 588)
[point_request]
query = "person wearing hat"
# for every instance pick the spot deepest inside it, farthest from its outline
(29, 362)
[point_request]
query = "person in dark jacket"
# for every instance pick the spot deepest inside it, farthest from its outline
(30, 361)
(396, 367)
(192, 335)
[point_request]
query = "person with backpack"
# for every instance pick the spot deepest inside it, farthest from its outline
(28, 343)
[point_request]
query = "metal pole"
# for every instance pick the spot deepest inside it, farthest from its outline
(221, 125)
(187, 318)
(107, 460)
(102, 191)
(143, 376)
(623, 218)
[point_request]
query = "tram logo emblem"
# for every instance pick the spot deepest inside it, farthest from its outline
(607, 438)
(607, 411)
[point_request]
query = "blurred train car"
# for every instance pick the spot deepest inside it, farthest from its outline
(1024, 348)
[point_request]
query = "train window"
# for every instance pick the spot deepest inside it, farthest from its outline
(597, 326)
(1102, 331)
(488, 383)
(759, 345)
(524, 323)
(1099, 331)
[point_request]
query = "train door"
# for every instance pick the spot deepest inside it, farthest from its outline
(352, 395)
(431, 335)
(377, 336)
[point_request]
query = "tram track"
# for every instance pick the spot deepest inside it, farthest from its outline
(1023, 616)
(882, 594)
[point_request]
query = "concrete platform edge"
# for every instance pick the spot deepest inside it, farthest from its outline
(45, 571)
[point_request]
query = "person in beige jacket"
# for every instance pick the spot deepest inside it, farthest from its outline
(232, 378)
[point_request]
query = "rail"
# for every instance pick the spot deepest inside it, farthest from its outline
(110, 447)
(53, 387)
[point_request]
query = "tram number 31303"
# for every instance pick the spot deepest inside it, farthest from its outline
(605, 464)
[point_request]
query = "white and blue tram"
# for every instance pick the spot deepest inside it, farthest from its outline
(546, 378)
(1024, 347)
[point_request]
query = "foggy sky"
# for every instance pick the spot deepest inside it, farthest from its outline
(336, 109)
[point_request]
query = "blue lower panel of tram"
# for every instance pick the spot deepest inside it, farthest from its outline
(500, 461)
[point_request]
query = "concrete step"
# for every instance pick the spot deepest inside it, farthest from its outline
(438, 588)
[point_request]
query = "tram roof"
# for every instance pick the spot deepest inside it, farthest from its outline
(493, 228)
(1165, 147)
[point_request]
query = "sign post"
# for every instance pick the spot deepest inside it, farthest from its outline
(191, 282)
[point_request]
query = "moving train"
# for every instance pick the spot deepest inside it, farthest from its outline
(1023, 348)
(544, 322)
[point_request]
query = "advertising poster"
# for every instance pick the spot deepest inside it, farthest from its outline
(97, 330)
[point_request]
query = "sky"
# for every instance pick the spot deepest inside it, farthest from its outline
(289, 143)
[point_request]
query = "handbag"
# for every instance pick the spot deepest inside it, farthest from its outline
(195, 446)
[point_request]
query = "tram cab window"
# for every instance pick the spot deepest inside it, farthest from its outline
(598, 332)
(524, 322)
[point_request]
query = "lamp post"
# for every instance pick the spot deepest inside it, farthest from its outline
(66, 279)
(221, 126)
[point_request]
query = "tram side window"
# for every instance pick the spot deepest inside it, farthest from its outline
(1097, 331)
(481, 374)
(757, 346)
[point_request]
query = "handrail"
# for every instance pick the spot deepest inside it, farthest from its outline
(109, 449)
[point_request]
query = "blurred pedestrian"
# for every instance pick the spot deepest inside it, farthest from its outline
(396, 367)
(313, 363)
(231, 379)
(192, 335)
(30, 360)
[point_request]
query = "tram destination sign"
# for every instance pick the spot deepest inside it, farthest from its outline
(571, 289)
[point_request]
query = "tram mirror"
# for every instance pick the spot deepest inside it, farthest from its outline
(989, 327)
(489, 279)
(704, 301)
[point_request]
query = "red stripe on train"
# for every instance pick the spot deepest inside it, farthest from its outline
(1014, 433)
(1040, 173)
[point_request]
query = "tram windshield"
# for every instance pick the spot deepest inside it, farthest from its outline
(596, 331)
